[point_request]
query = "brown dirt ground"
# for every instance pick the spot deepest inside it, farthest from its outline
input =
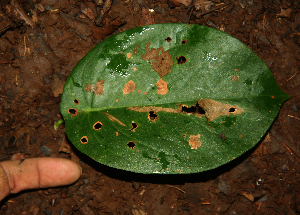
(36, 61)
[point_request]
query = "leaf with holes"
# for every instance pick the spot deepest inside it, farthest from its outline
(169, 98)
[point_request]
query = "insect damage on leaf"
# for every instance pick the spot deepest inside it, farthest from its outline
(98, 125)
(162, 87)
(131, 144)
(112, 118)
(152, 116)
(162, 60)
(129, 87)
(214, 109)
(84, 140)
(73, 111)
(134, 126)
(194, 141)
(97, 89)
(181, 60)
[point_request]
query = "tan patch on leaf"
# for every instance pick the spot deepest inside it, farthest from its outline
(214, 109)
(128, 55)
(112, 118)
(162, 60)
(154, 109)
(234, 78)
(129, 87)
(97, 89)
(162, 87)
(194, 141)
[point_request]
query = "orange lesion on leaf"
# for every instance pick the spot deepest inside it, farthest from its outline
(162, 87)
(129, 87)
(128, 55)
(194, 141)
(112, 118)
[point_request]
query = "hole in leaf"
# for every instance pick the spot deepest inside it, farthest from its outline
(195, 109)
(73, 111)
(97, 125)
(131, 144)
(152, 116)
(183, 42)
(84, 140)
(181, 60)
(134, 126)
(168, 39)
(231, 110)
(76, 102)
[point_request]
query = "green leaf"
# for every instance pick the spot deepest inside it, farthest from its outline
(169, 98)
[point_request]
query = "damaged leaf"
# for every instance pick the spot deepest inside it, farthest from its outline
(169, 98)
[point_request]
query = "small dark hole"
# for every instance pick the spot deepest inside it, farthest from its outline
(76, 101)
(195, 109)
(97, 125)
(168, 39)
(231, 110)
(72, 111)
(131, 144)
(181, 60)
(84, 140)
(152, 116)
(134, 126)
(183, 42)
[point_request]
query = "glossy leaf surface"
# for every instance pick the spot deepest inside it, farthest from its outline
(169, 98)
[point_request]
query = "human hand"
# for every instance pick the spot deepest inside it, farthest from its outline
(35, 173)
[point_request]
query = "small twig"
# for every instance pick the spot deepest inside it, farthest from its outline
(22, 13)
(214, 9)
(294, 117)
(290, 78)
(104, 10)
(6, 62)
(176, 188)
(291, 152)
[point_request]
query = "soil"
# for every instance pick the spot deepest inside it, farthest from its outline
(37, 53)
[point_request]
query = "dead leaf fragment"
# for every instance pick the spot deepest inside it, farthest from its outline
(162, 87)
(186, 3)
(194, 141)
(285, 13)
(129, 87)
(248, 196)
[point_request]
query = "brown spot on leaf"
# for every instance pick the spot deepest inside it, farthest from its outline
(117, 133)
(89, 88)
(234, 78)
(73, 111)
(98, 125)
(222, 136)
(162, 87)
(112, 118)
(97, 89)
(194, 141)
(162, 60)
(84, 140)
(183, 42)
(129, 87)
(135, 49)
